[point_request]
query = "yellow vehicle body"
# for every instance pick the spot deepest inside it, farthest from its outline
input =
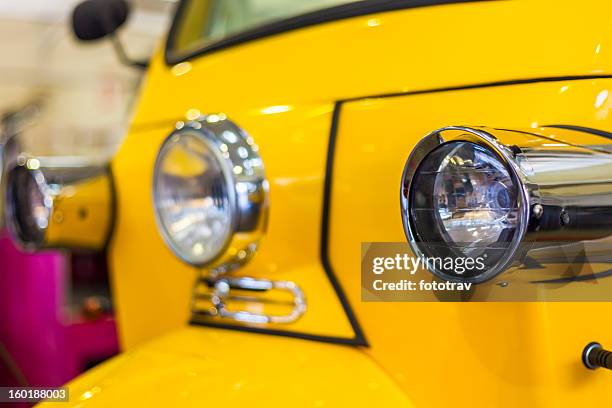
(376, 83)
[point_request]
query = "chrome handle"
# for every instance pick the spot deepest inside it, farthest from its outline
(222, 294)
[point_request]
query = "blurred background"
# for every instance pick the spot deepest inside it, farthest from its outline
(83, 91)
(68, 101)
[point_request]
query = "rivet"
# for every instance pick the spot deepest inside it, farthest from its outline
(537, 211)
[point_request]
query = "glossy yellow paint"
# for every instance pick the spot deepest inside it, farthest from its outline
(82, 214)
(193, 368)
(408, 50)
(282, 90)
(519, 354)
(286, 103)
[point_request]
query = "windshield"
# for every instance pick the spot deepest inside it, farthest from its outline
(201, 23)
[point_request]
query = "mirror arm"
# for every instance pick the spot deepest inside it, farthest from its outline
(123, 57)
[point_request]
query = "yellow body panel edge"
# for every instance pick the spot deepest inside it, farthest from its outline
(193, 367)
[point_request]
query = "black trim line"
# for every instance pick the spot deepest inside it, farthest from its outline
(596, 132)
(480, 85)
(325, 221)
(589, 147)
(326, 15)
(273, 332)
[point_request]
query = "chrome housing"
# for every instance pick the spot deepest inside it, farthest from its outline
(59, 204)
(565, 191)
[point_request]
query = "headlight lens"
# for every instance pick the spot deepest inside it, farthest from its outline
(462, 200)
(473, 201)
(192, 196)
(210, 192)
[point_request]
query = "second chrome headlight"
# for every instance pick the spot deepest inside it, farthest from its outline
(210, 192)
(489, 198)
(59, 203)
(462, 198)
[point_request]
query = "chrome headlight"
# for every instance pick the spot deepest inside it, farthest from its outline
(210, 192)
(462, 197)
(59, 203)
(495, 196)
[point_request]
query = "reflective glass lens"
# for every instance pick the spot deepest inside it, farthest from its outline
(193, 198)
(474, 194)
(464, 202)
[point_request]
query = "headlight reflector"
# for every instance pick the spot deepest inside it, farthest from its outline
(473, 200)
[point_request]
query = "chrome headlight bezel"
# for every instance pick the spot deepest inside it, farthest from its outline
(20, 180)
(487, 141)
(244, 178)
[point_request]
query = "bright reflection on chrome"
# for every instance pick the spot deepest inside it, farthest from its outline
(271, 110)
(210, 192)
(602, 97)
(29, 205)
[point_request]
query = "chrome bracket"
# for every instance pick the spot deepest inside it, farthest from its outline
(217, 292)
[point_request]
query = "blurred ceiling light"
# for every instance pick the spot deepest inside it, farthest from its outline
(213, 118)
(181, 68)
(193, 114)
(270, 110)
(602, 97)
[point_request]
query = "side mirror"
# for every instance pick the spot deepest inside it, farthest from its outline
(95, 19)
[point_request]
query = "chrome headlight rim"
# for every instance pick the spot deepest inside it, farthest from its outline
(14, 220)
(433, 141)
(233, 159)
